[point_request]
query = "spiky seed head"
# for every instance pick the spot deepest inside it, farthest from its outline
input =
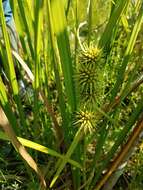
(85, 120)
(90, 56)
(89, 72)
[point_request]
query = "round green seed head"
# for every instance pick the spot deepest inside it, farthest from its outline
(89, 74)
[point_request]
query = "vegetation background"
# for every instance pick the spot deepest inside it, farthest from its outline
(81, 115)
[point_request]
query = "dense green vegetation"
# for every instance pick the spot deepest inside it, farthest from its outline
(81, 116)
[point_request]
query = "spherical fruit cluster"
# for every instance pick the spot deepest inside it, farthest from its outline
(90, 55)
(90, 75)
(85, 120)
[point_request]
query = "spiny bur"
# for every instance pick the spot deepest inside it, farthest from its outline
(84, 120)
(90, 75)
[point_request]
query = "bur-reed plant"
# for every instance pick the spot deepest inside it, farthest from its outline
(84, 93)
